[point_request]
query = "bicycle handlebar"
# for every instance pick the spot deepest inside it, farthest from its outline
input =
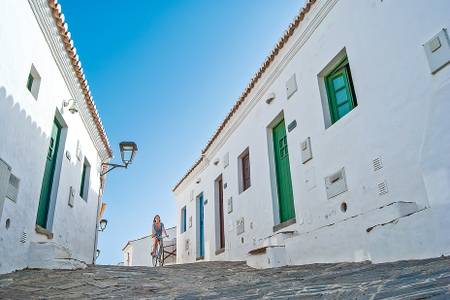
(163, 236)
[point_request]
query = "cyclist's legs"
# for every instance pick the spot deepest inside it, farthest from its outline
(155, 242)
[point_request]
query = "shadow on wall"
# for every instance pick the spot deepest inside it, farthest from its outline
(20, 140)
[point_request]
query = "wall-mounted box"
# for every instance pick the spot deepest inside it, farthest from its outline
(437, 50)
(79, 153)
(71, 196)
(292, 125)
(226, 160)
(230, 205)
(291, 86)
(240, 226)
(5, 174)
(336, 183)
(190, 221)
(13, 188)
(306, 150)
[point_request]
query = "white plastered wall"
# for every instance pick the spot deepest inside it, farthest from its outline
(25, 127)
(400, 118)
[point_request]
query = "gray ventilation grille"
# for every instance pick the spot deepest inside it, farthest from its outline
(13, 188)
(382, 188)
(377, 164)
(23, 237)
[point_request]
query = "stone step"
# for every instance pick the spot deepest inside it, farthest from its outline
(264, 257)
(49, 255)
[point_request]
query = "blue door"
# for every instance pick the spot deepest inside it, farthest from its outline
(201, 226)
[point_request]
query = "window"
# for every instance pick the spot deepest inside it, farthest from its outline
(85, 174)
(33, 82)
(183, 219)
(244, 171)
(340, 91)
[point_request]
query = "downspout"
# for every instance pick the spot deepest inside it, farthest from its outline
(99, 202)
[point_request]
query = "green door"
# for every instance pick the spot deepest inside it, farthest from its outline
(283, 172)
(49, 172)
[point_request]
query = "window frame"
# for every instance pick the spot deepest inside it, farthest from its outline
(245, 181)
(85, 180)
(342, 69)
(183, 227)
(33, 82)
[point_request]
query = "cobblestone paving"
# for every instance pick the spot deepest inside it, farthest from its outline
(422, 279)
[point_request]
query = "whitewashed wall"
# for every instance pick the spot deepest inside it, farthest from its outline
(139, 250)
(25, 127)
(402, 117)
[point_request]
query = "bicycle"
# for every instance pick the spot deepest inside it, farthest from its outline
(158, 258)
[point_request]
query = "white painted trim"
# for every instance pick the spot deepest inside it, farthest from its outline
(48, 27)
(319, 11)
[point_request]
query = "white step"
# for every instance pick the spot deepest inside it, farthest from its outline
(273, 256)
(49, 255)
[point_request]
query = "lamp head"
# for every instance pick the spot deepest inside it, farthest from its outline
(72, 106)
(127, 151)
(103, 223)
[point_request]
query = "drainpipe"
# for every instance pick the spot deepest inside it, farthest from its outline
(99, 202)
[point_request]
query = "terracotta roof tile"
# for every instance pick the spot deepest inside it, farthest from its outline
(76, 63)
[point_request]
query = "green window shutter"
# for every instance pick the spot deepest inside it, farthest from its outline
(340, 92)
(30, 82)
(83, 178)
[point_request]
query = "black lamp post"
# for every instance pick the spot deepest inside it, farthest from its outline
(127, 153)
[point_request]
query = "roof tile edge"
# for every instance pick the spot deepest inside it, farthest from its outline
(71, 52)
(267, 62)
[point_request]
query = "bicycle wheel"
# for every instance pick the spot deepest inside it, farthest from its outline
(154, 259)
(161, 256)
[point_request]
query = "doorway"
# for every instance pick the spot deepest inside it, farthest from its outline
(283, 173)
(220, 222)
(49, 174)
(200, 227)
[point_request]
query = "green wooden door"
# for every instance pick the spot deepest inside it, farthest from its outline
(49, 172)
(283, 173)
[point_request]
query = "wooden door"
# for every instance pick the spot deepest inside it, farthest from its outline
(221, 214)
(47, 181)
(201, 229)
(283, 173)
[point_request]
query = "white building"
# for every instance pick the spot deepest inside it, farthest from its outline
(50, 155)
(359, 91)
(138, 252)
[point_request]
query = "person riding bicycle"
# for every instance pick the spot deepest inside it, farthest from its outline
(157, 231)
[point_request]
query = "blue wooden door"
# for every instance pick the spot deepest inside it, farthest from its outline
(201, 223)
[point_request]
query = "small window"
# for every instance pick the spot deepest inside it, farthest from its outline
(244, 171)
(340, 92)
(183, 220)
(33, 82)
(85, 174)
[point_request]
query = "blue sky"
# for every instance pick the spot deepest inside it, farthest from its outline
(164, 74)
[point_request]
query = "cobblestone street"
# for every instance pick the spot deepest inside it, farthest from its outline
(426, 279)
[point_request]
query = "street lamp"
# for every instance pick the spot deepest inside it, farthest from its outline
(127, 153)
(103, 223)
